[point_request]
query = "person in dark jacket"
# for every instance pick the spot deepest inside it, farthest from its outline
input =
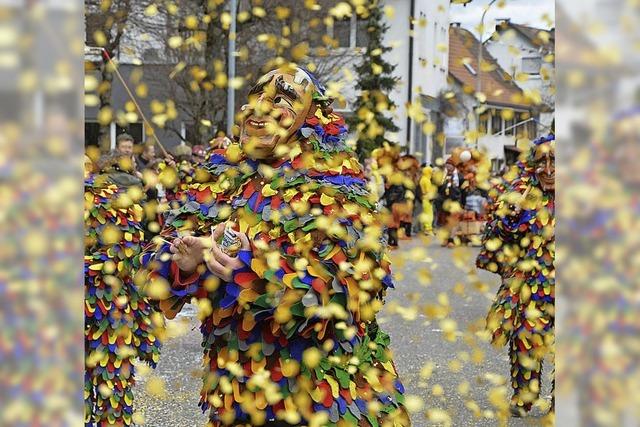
(394, 196)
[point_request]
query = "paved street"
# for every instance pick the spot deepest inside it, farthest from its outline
(461, 364)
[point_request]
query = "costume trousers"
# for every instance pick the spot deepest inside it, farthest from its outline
(392, 236)
(526, 369)
(427, 216)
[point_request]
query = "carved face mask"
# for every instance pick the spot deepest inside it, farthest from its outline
(545, 166)
(278, 105)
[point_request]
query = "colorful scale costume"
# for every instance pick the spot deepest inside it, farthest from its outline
(293, 334)
(519, 245)
(177, 179)
(118, 319)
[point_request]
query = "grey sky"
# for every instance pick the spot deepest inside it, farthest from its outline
(528, 12)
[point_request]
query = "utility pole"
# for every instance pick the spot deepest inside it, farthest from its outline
(478, 79)
(231, 68)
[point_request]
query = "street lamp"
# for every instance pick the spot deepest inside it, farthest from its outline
(231, 69)
(478, 80)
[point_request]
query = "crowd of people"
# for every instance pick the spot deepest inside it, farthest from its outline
(284, 235)
(451, 197)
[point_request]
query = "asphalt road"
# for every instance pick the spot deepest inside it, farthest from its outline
(449, 372)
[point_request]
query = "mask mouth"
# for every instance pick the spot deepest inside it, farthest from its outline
(255, 123)
(547, 179)
(257, 126)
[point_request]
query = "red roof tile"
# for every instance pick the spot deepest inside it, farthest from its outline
(496, 84)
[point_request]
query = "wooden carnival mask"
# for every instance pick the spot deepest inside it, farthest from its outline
(545, 167)
(278, 106)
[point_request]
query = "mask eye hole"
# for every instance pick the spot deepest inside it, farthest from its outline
(281, 101)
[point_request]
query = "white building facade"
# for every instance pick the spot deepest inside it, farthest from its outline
(526, 53)
(419, 51)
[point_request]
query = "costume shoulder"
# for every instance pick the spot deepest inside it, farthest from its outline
(110, 211)
(206, 198)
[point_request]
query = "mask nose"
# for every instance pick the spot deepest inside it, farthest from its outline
(263, 105)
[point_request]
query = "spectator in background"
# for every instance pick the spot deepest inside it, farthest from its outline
(124, 144)
(476, 202)
(449, 190)
(124, 147)
(183, 152)
(198, 154)
(428, 192)
(394, 196)
(119, 168)
(147, 158)
(438, 175)
(452, 201)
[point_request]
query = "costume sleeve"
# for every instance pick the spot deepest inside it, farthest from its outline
(165, 281)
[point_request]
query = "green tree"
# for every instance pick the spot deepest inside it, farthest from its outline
(375, 81)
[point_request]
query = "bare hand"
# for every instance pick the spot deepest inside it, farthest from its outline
(221, 264)
(188, 252)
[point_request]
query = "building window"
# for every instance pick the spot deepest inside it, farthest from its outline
(342, 32)
(484, 123)
(496, 165)
(362, 33)
(509, 127)
(191, 134)
(135, 130)
(93, 23)
(525, 126)
(452, 142)
(351, 32)
(496, 122)
(91, 133)
(531, 65)
(420, 141)
(531, 129)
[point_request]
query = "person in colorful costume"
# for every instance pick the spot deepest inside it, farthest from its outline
(408, 168)
(386, 158)
(428, 192)
(119, 320)
(290, 337)
(519, 245)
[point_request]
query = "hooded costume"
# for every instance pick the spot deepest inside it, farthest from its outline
(519, 245)
(292, 336)
(428, 191)
(119, 323)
